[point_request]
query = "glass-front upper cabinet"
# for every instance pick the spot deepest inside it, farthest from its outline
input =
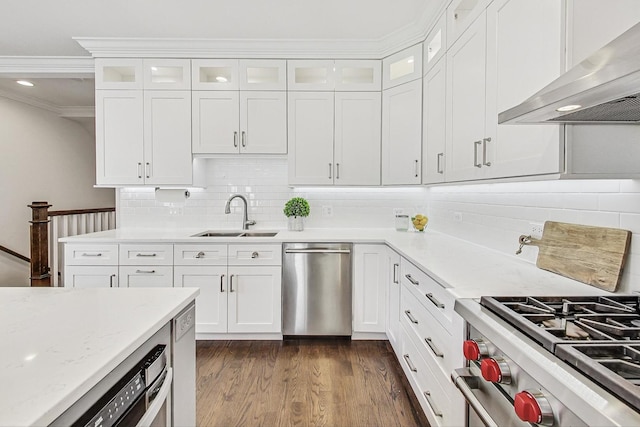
(118, 73)
(435, 45)
(173, 74)
(402, 67)
(358, 75)
(461, 14)
(214, 74)
(263, 74)
(311, 75)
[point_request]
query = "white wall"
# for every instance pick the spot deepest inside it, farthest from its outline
(264, 183)
(43, 158)
(495, 215)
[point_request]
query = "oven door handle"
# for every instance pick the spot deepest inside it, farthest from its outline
(461, 378)
(154, 409)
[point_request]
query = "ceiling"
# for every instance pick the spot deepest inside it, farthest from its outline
(44, 28)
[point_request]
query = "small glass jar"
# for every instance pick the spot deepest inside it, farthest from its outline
(402, 222)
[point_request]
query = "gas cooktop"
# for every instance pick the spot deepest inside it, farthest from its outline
(598, 335)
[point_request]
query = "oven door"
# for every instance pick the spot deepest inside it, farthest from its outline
(487, 404)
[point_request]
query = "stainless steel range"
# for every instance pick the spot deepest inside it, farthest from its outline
(560, 361)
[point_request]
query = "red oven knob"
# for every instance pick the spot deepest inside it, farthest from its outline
(533, 407)
(474, 349)
(495, 371)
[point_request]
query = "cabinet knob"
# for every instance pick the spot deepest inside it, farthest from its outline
(200, 255)
(255, 254)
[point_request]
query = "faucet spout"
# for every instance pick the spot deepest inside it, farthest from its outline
(245, 220)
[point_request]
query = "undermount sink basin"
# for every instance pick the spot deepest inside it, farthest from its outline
(236, 234)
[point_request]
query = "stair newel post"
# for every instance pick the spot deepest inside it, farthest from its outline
(40, 244)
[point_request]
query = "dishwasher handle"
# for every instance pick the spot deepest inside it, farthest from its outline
(317, 251)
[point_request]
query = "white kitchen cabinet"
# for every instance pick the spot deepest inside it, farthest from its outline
(118, 73)
(435, 45)
(166, 74)
(263, 74)
(311, 133)
(254, 299)
(214, 74)
(434, 112)
(460, 15)
(393, 300)
(358, 75)
(370, 273)
(356, 154)
(311, 75)
(145, 254)
(402, 67)
(402, 134)
(232, 122)
(211, 303)
(94, 276)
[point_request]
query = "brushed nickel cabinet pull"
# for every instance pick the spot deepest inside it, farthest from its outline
(113, 276)
(337, 170)
(255, 255)
(222, 283)
(244, 139)
(235, 139)
(417, 171)
(411, 367)
(148, 169)
(412, 280)
(410, 316)
(395, 273)
(433, 347)
(434, 300)
(437, 412)
(330, 170)
(145, 271)
(86, 254)
(231, 283)
(146, 255)
(484, 151)
(440, 170)
(200, 255)
(139, 170)
(476, 163)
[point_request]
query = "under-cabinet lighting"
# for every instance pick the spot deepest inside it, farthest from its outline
(221, 79)
(568, 108)
(25, 83)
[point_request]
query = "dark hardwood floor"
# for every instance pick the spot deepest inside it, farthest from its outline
(301, 383)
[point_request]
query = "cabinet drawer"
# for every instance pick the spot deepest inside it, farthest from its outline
(200, 254)
(430, 293)
(249, 254)
(146, 254)
(433, 338)
(84, 276)
(146, 276)
(91, 254)
(434, 398)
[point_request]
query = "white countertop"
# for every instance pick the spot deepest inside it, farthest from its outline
(58, 343)
(467, 269)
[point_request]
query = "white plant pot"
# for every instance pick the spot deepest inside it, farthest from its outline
(296, 223)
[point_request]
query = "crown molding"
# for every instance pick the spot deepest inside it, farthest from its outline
(76, 112)
(46, 66)
(31, 101)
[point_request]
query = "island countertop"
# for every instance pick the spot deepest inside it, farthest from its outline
(58, 343)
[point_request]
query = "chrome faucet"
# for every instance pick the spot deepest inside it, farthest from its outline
(245, 220)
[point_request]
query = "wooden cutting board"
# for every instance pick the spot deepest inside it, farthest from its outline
(592, 255)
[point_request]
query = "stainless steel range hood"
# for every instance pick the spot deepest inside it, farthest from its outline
(604, 88)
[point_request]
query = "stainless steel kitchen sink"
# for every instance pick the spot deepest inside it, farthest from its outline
(236, 234)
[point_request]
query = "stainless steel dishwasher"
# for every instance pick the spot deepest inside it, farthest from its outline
(316, 289)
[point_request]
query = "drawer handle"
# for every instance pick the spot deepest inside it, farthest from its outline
(412, 280)
(433, 347)
(145, 255)
(113, 276)
(231, 283)
(145, 271)
(86, 254)
(434, 408)
(200, 255)
(255, 255)
(395, 273)
(408, 313)
(411, 367)
(434, 300)
(222, 283)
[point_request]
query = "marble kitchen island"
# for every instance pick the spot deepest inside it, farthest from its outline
(59, 344)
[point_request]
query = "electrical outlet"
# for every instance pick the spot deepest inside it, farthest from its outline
(398, 211)
(457, 216)
(327, 211)
(535, 230)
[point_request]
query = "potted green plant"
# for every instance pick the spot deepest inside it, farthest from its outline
(296, 209)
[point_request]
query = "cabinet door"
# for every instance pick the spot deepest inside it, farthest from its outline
(90, 276)
(434, 124)
(524, 54)
(167, 137)
(255, 299)
(370, 273)
(402, 133)
(311, 75)
(460, 15)
(119, 137)
(435, 44)
(214, 74)
(167, 74)
(118, 73)
(263, 74)
(215, 122)
(211, 303)
(358, 75)
(310, 138)
(357, 138)
(402, 67)
(146, 276)
(263, 122)
(393, 300)
(466, 77)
